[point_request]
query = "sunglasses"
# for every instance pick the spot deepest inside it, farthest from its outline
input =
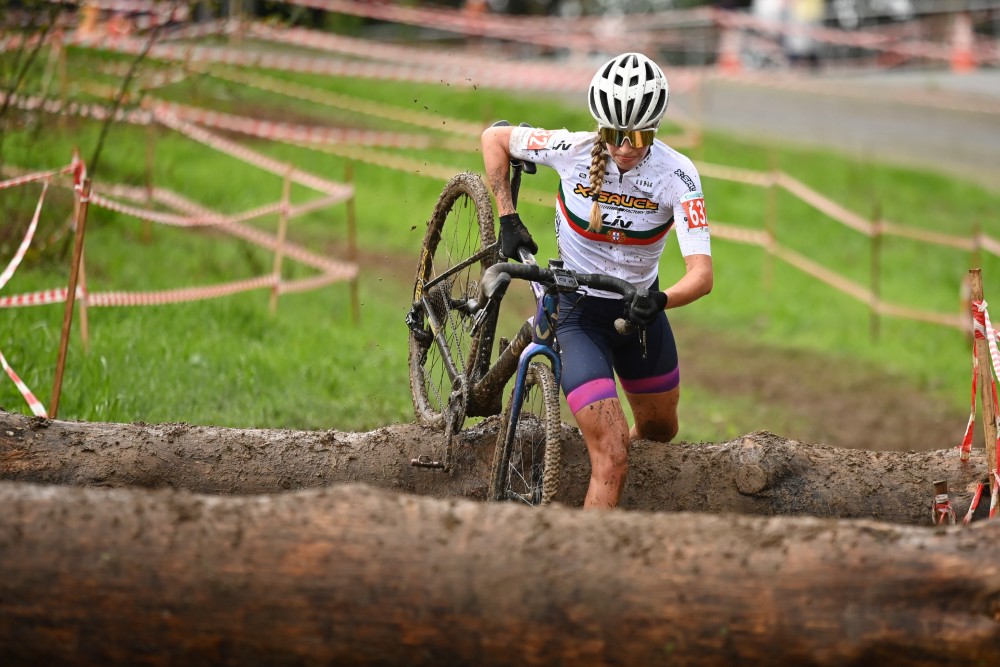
(638, 138)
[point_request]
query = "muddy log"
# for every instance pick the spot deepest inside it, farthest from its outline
(759, 473)
(363, 576)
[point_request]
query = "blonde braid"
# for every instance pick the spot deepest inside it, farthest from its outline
(598, 166)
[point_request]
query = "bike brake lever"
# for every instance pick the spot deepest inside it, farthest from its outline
(625, 327)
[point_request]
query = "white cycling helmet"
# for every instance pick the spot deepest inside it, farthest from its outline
(629, 92)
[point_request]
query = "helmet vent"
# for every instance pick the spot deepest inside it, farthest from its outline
(629, 92)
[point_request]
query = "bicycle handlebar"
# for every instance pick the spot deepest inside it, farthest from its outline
(497, 277)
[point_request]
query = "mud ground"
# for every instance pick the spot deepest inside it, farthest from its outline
(817, 399)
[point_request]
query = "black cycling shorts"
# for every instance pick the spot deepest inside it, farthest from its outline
(592, 352)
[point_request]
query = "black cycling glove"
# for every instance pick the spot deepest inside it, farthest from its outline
(644, 308)
(513, 235)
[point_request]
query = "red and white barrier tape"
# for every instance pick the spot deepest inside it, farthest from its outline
(28, 236)
(471, 63)
(193, 213)
(825, 205)
(965, 447)
(197, 215)
(37, 176)
(36, 406)
(995, 493)
(335, 269)
(95, 111)
(164, 297)
(463, 23)
(266, 129)
(208, 220)
(967, 519)
(977, 496)
(118, 298)
(738, 175)
(39, 298)
(506, 79)
(252, 157)
(302, 92)
(266, 240)
(943, 513)
(983, 330)
(308, 284)
(76, 168)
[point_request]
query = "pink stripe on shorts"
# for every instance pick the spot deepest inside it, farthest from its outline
(653, 385)
(591, 392)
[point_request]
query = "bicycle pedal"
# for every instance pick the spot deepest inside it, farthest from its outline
(425, 461)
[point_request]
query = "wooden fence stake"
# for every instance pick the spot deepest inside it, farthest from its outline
(279, 250)
(84, 326)
(876, 272)
(84, 322)
(81, 224)
(352, 246)
(985, 375)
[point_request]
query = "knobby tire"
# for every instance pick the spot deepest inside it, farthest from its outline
(526, 461)
(460, 226)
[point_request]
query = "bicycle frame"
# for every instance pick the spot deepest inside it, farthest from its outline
(543, 338)
(536, 336)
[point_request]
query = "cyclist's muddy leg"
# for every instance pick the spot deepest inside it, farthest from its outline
(655, 415)
(605, 431)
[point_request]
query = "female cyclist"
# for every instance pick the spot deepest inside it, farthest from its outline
(612, 217)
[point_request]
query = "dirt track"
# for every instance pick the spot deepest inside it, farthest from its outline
(817, 399)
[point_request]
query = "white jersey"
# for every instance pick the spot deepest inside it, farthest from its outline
(639, 207)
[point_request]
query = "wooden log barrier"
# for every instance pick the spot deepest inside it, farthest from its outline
(353, 575)
(760, 473)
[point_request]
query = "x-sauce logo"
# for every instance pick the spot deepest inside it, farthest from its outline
(694, 209)
(539, 139)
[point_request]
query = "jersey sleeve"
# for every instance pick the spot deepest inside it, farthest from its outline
(558, 149)
(694, 235)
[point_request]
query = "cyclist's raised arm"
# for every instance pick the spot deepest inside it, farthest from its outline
(496, 160)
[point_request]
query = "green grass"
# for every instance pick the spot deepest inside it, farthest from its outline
(230, 362)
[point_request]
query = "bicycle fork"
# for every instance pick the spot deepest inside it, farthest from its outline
(543, 338)
(533, 350)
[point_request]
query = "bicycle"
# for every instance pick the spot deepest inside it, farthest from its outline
(459, 285)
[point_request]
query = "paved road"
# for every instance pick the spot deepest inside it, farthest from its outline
(936, 120)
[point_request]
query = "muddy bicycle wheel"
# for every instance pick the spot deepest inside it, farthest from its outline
(460, 227)
(526, 460)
